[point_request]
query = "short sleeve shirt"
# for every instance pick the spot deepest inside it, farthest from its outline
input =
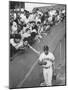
(49, 58)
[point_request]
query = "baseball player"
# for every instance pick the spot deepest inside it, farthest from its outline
(46, 60)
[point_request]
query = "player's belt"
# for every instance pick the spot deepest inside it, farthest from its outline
(46, 67)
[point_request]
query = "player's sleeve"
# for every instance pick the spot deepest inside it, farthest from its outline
(53, 57)
(41, 57)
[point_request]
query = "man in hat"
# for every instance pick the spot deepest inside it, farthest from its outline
(46, 60)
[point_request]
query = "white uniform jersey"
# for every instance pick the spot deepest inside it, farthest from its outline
(49, 58)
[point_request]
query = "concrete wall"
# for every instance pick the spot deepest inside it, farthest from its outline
(60, 53)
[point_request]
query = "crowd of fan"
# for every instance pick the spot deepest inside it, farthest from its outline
(26, 27)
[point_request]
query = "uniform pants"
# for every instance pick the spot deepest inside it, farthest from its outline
(47, 74)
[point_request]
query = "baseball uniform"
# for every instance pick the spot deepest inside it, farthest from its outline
(47, 67)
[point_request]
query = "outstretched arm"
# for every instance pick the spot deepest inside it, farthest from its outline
(38, 52)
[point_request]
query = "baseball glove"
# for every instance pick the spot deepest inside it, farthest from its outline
(42, 62)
